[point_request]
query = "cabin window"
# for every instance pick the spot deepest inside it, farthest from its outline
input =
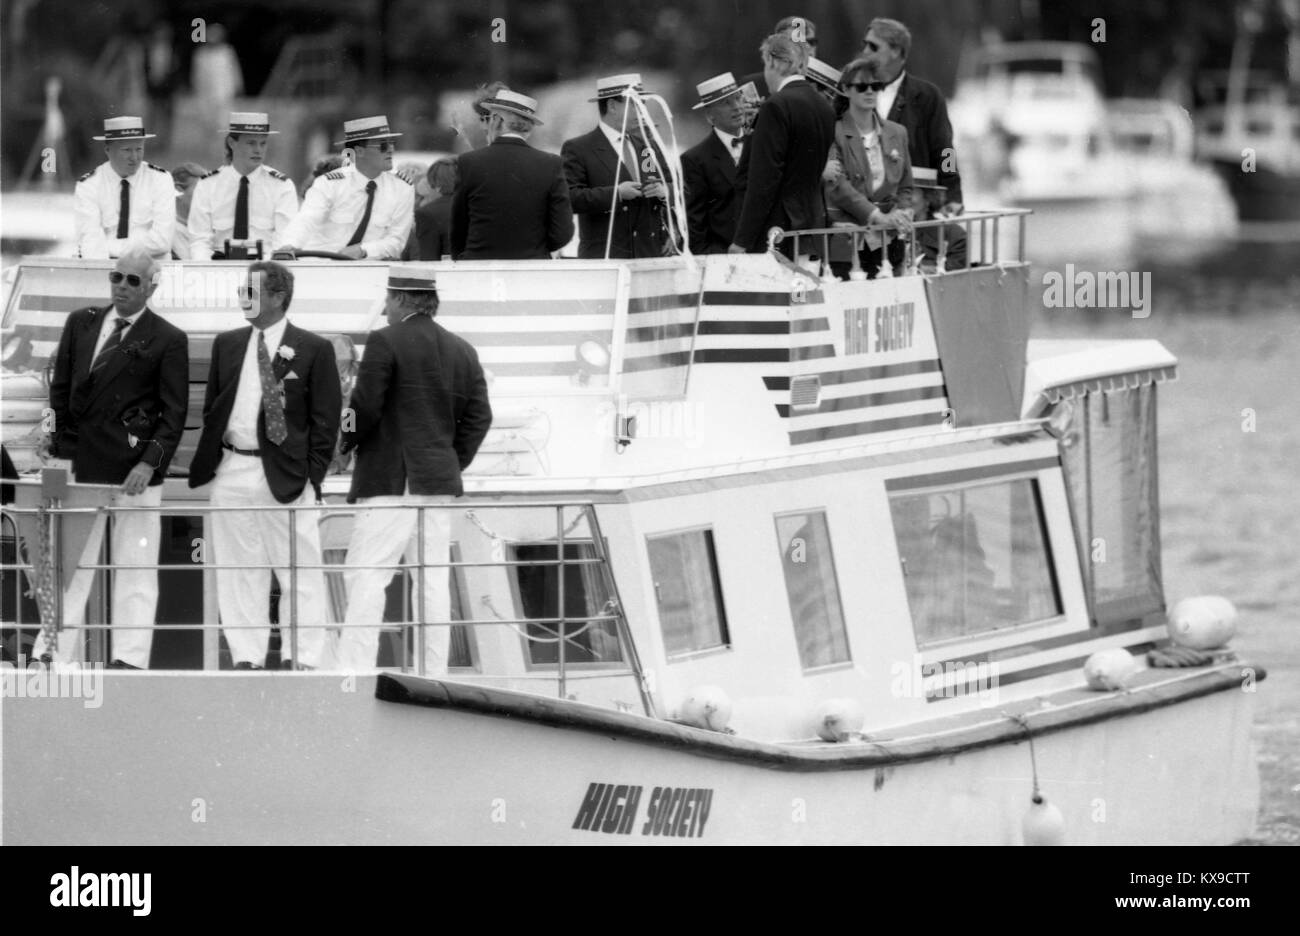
(975, 558)
(585, 595)
(1110, 467)
(687, 591)
(812, 589)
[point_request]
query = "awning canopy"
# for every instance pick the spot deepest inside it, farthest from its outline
(1067, 370)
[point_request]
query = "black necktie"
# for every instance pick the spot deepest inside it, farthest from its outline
(365, 218)
(241, 210)
(113, 341)
(124, 210)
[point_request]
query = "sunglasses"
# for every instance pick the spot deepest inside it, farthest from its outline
(861, 86)
(132, 279)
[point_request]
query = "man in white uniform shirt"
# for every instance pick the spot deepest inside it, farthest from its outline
(125, 202)
(363, 210)
(245, 201)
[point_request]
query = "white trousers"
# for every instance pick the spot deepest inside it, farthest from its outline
(381, 536)
(261, 537)
(134, 542)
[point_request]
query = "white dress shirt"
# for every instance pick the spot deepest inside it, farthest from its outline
(153, 212)
(181, 240)
(333, 208)
(241, 429)
(886, 96)
(109, 326)
(272, 204)
(726, 139)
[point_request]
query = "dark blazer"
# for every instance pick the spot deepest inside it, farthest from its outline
(922, 111)
(431, 234)
(780, 173)
(420, 408)
(709, 174)
(639, 231)
(142, 393)
(512, 204)
(851, 198)
(313, 403)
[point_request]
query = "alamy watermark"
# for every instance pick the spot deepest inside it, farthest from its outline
(60, 681)
(1106, 289)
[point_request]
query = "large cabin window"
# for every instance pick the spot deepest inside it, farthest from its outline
(812, 589)
(975, 558)
(687, 591)
(1110, 467)
(585, 595)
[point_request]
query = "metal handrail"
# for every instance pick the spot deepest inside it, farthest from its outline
(567, 626)
(966, 220)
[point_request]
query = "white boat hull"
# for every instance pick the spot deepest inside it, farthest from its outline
(315, 758)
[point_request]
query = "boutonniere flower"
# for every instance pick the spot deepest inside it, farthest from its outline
(284, 351)
(894, 156)
(132, 349)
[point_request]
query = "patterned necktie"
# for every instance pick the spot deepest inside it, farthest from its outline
(272, 406)
(124, 210)
(365, 218)
(241, 210)
(629, 159)
(113, 341)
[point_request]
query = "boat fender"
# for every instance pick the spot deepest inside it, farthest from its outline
(1110, 669)
(839, 719)
(706, 707)
(1203, 622)
(1043, 823)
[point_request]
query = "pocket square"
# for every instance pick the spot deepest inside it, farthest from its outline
(290, 376)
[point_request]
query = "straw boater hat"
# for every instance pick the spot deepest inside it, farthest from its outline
(926, 178)
(717, 88)
(366, 128)
(615, 85)
(124, 128)
(510, 102)
(248, 122)
(824, 75)
(408, 280)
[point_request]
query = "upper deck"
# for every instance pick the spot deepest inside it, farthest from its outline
(617, 369)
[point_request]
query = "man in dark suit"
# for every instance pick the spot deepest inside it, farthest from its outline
(637, 188)
(431, 236)
(780, 171)
(512, 202)
(800, 29)
(119, 395)
(270, 424)
(915, 103)
(709, 167)
(418, 413)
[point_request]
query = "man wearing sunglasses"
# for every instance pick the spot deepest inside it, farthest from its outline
(119, 394)
(270, 423)
(913, 102)
(363, 210)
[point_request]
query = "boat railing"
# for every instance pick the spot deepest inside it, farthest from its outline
(987, 224)
(38, 534)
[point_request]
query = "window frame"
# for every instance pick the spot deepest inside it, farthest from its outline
(824, 513)
(727, 643)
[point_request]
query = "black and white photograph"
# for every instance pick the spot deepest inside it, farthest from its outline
(556, 422)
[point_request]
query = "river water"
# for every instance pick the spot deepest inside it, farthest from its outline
(1229, 466)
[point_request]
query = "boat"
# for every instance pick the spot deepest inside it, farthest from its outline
(751, 555)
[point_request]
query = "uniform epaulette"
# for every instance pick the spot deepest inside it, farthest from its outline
(335, 175)
(407, 181)
(276, 174)
(155, 168)
(210, 174)
(87, 176)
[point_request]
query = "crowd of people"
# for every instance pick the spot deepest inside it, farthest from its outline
(800, 145)
(869, 146)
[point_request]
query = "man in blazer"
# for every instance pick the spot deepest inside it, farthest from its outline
(512, 202)
(638, 187)
(709, 167)
(119, 394)
(419, 411)
(270, 424)
(913, 102)
(780, 171)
